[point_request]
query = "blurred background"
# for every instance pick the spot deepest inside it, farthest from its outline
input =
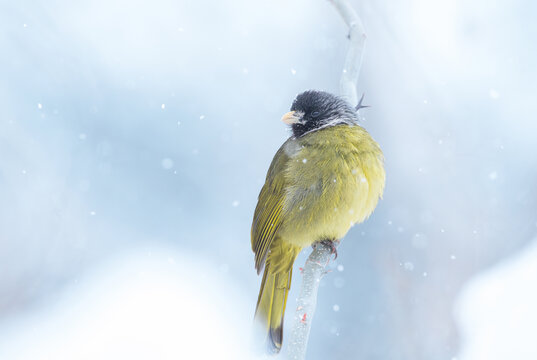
(135, 137)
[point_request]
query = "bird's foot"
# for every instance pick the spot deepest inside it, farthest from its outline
(332, 244)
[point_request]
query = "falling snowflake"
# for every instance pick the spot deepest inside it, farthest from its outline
(167, 163)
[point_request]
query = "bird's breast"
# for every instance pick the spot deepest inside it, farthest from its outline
(334, 179)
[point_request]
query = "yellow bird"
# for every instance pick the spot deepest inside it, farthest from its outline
(328, 176)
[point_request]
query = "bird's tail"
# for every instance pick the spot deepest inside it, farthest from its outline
(271, 307)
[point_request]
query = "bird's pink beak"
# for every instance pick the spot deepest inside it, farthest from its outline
(292, 117)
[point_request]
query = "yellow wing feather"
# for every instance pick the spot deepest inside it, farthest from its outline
(268, 212)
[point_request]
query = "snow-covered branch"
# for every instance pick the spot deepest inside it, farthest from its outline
(307, 300)
(319, 258)
(353, 61)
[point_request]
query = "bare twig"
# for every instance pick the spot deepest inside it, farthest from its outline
(320, 256)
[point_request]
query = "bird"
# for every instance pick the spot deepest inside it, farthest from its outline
(328, 176)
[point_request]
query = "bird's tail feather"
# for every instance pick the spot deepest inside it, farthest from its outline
(271, 306)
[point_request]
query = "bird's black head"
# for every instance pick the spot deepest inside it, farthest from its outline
(313, 110)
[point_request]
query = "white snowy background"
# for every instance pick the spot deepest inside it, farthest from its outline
(135, 137)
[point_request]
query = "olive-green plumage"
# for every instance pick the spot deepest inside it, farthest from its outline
(317, 187)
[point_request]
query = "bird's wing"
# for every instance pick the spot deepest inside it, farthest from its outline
(268, 212)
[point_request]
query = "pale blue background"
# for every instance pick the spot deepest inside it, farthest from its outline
(127, 124)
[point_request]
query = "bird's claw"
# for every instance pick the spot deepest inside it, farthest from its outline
(332, 245)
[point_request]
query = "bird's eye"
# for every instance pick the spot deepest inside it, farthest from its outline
(315, 114)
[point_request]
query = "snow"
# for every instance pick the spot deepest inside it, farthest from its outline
(497, 311)
(104, 68)
(140, 305)
(494, 94)
(408, 266)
